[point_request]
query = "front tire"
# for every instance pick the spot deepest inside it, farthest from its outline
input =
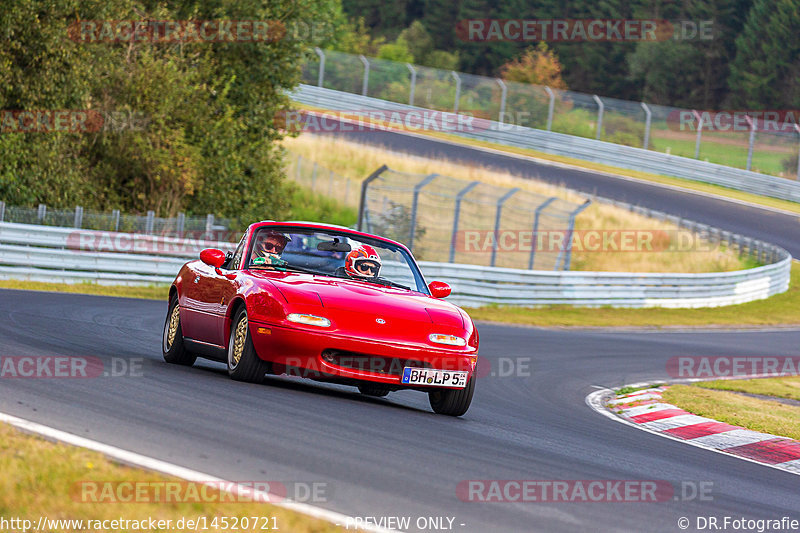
(452, 402)
(243, 363)
(172, 345)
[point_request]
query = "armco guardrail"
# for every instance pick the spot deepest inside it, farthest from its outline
(43, 253)
(476, 286)
(567, 145)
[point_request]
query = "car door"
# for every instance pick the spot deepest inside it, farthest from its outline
(225, 289)
(201, 305)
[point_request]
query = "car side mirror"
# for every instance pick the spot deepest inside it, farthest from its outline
(439, 289)
(213, 257)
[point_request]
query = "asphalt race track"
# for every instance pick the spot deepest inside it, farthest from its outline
(394, 457)
(773, 227)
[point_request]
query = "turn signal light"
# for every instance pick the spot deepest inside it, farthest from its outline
(311, 320)
(441, 338)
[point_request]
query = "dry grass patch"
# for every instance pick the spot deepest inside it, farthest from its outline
(357, 161)
(758, 415)
(150, 292)
(41, 479)
(780, 387)
(709, 188)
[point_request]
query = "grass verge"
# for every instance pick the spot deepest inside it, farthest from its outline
(780, 387)
(587, 165)
(751, 413)
(150, 292)
(778, 310)
(44, 479)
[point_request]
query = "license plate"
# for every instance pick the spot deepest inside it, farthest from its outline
(434, 377)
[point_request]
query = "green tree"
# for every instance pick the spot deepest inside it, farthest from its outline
(766, 70)
(209, 139)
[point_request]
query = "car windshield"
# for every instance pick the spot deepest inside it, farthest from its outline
(325, 252)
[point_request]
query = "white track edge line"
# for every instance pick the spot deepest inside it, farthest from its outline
(178, 471)
(595, 401)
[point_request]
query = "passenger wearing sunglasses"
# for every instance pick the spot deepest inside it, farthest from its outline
(268, 248)
(363, 262)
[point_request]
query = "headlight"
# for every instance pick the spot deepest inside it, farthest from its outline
(441, 338)
(310, 320)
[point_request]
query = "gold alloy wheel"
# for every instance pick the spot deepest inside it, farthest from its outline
(172, 330)
(238, 341)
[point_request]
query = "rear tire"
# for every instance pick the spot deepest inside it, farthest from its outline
(452, 402)
(172, 345)
(243, 363)
(373, 389)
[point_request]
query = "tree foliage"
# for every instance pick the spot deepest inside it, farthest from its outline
(538, 65)
(756, 64)
(200, 133)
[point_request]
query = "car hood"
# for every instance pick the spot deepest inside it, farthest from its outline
(350, 297)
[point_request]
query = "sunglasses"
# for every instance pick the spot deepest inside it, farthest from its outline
(367, 268)
(271, 247)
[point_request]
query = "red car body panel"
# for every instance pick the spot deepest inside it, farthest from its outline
(374, 332)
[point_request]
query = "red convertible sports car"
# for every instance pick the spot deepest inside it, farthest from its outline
(325, 303)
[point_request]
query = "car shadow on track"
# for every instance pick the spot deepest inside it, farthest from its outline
(309, 386)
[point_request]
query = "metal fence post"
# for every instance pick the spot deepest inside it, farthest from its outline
(42, 213)
(457, 213)
(365, 81)
(648, 120)
(699, 134)
(209, 225)
(458, 90)
(2, 211)
(550, 107)
(568, 255)
(181, 224)
(362, 208)
(797, 127)
(536, 214)
(321, 76)
(600, 109)
(413, 72)
(497, 216)
(414, 203)
(503, 92)
(150, 223)
(752, 140)
(78, 216)
(115, 216)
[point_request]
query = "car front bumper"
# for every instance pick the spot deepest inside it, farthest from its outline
(324, 355)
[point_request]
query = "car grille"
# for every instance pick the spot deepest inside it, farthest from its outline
(392, 366)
